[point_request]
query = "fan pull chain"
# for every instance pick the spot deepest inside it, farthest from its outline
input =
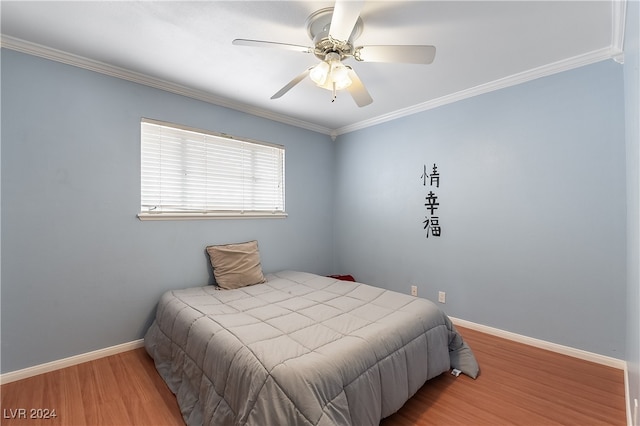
(333, 99)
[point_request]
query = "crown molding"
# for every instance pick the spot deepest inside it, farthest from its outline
(615, 51)
(45, 52)
(618, 18)
(512, 80)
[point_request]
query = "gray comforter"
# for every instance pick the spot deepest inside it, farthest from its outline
(299, 349)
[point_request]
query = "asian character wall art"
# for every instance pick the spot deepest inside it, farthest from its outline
(431, 223)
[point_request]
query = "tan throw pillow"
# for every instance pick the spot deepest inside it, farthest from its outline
(236, 265)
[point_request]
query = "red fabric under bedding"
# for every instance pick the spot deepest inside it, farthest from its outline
(343, 277)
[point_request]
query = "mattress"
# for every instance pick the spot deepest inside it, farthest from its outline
(300, 349)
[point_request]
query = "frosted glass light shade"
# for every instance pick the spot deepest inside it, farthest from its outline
(319, 73)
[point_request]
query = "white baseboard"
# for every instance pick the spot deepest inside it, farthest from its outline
(632, 406)
(68, 362)
(553, 347)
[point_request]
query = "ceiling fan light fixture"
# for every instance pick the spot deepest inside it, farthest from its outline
(340, 76)
(319, 73)
(331, 74)
(334, 31)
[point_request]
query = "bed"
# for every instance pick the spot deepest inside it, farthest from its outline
(300, 349)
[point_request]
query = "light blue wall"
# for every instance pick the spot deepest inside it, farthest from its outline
(532, 208)
(632, 110)
(79, 271)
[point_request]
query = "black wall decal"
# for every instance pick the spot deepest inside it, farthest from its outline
(431, 223)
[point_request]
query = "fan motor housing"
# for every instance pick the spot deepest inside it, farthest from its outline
(318, 25)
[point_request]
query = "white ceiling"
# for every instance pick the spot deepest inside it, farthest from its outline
(186, 47)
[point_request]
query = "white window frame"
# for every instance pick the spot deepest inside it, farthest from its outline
(182, 175)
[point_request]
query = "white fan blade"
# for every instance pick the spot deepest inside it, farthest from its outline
(357, 90)
(273, 44)
(345, 16)
(292, 83)
(403, 54)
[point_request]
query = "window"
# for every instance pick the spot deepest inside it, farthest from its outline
(190, 173)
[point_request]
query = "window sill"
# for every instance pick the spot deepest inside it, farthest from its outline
(207, 216)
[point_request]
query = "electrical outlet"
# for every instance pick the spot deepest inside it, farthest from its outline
(414, 290)
(442, 297)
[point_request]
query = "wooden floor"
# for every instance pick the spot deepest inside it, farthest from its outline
(518, 385)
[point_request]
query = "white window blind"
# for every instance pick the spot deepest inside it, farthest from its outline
(191, 172)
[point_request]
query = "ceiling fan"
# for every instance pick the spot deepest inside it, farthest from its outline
(333, 31)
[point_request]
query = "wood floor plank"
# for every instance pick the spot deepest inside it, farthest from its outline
(518, 385)
(63, 392)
